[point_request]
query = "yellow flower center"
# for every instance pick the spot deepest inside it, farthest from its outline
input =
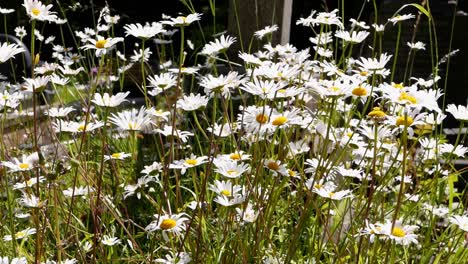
(131, 126)
(331, 194)
(364, 73)
(35, 11)
(282, 91)
(231, 172)
(291, 173)
(398, 232)
(359, 91)
(20, 234)
(318, 186)
(29, 182)
(81, 128)
(397, 85)
(116, 155)
(192, 162)
(376, 113)
(280, 121)
(273, 166)
(100, 44)
(261, 118)
(23, 166)
(235, 156)
(335, 89)
(168, 224)
(402, 121)
(406, 97)
(226, 192)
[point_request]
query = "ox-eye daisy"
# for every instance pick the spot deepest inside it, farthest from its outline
(36, 10)
(132, 120)
(102, 45)
(8, 51)
(107, 100)
(168, 223)
(26, 163)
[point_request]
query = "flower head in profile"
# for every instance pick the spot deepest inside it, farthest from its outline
(8, 51)
(146, 31)
(106, 100)
(460, 112)
(400, 18)
(21, 234)
(6, 11)
(36, 10)
(131, 120)
(218, 46)
(182, 21)
(461, 221)
(117, 156)
(76, 127)
(417, 45)
(25, 164)
(110, 240)
(265, 31)
(192, 102)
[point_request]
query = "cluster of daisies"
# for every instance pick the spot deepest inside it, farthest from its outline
(285, 125)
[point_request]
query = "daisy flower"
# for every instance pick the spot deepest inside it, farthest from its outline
(401, 234)
(459, 112)
(29, 183)
(101, 45)
(8, 51)
(110, 241)
(132, 120)
(37, 84)
(354, 37)
(461, 221)
(276, 167)
(175, 258)
(190, 162)
(192, 102)
(322, 39)
(77, 191)
(6, 11)
(26, 163)
(225, 188)
(117, 156)
(264, 89)
(21, 234)
(230, 169)
(169, 131)
(161, 82)
(36, 10)
(286, 118)
(374, 65)
(141, 54)
(144, 32)
(400, 18)
(76, 127)
(247, 215)
(229, 201)
(416, 46)
(106, 100)
(222, 130)
(256, 119)
(20, 32)
(168, 223)
(182, 21)
(265, 31)
(250, 59)
(31, 201)
(218, 46)
(332, 194)
(221, 84)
